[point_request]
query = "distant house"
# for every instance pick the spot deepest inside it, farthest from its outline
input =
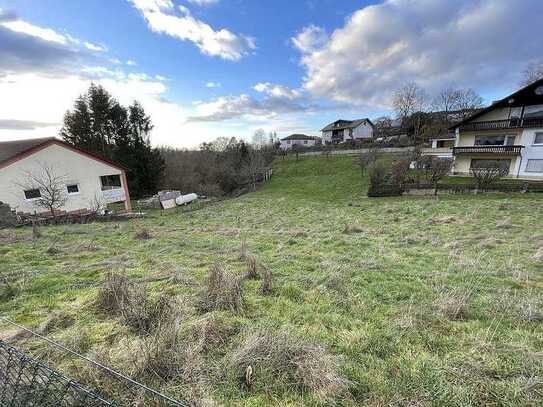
(299, 139)
(508, 133)
(83, 178)
(342, 131)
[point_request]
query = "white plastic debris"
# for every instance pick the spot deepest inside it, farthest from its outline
(185, 199)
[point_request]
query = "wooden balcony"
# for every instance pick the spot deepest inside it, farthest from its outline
(498, 150)
(529, 122)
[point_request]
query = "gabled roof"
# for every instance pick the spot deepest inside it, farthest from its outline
(13, 151)
(346, 124)
(300, 137)
(522, 97)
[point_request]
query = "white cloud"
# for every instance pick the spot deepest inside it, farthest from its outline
(278, 91)
(95, 47)
(131, 63)
(213, 84)
(483, 44)
(45, 34)
(203, 2)
(310, 38)
(161, 18)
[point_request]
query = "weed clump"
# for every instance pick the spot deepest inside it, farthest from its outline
(57, 320)
(252, 268)
(279, 362)
(133, 304)
(454, 304)
(223, 292)
(143, 234)
(266, 287)
(243, 250)
(352, 229)
(504, 224)
(8, 291)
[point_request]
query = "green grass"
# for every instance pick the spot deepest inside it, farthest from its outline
(374, 298)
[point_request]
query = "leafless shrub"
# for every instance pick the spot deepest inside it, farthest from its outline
(143, 234)
(266, 287)
(399, 172)
(133, 304)
(352, 229)
(223, 292)
(281, 362)
(454, 304)
(486, 175)
(252, 268)
(211, 332)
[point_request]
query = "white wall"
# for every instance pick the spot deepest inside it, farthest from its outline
(327, 136)
(304, 143)
(72, 166)
(363, 131)
(530, 151)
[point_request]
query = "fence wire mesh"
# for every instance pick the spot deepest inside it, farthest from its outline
(25, 381)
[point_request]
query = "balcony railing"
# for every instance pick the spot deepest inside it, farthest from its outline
(501, 150)
(528, 122)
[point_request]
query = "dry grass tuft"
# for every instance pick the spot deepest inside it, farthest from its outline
(143, 234)
(252, 268)
(504, 224)
(441, 220)
(538, 256)
(352, 229)
(454, 303)
(57, 320)
(266, 288)
(133, 304)
(243, 250)
(530, 308)
(280, 362)
(223, 292)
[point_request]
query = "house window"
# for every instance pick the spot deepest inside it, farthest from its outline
(534, 166)
(72, 188)
(110, 182)
(533, 111)
(485, 163)
(305, 141)
(445, 144)
(538, 138)
(288, 141)
(32, 193)
(494, 140)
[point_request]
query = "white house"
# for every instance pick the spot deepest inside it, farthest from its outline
(341, 131)
(299, 139)
(86, 180)
(508, 133)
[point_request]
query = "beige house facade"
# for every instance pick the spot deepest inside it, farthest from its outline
(85, 180)
(508, 133)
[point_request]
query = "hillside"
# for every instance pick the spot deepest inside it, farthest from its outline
(389, 301)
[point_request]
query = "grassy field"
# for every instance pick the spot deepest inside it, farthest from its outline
(409, 301)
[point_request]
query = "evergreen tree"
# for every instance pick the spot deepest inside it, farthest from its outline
(99, 124)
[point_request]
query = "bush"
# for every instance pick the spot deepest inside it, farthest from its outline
(281, 362)
(381, 181)
(132, 303)
(223, 292)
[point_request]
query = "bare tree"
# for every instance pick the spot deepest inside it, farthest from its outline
(532, 73)
(254, 167)
(409, 99)
(259, 137)
(51, 186)
(446, 101)
(435, 169)
(467, 101)
(382, 124)
(485, 175)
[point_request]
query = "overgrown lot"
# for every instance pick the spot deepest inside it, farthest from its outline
(386, 301)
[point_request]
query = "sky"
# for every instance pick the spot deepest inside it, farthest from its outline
(224, 68)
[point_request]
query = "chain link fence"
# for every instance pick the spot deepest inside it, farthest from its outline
(25, 381)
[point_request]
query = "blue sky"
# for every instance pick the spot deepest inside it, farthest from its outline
(209, 68)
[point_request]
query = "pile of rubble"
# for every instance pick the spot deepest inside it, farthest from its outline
(166, 200)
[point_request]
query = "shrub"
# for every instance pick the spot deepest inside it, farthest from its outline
(281, 362)
(223, 292)
(252, 268)
(381, 182)
(485, 175)
(132, 303)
